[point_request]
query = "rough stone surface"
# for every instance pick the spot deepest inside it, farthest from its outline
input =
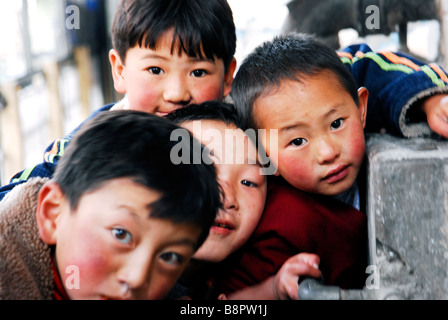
(408, 214)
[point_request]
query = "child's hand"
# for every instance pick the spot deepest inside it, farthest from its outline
(436, 109)
(285, 284)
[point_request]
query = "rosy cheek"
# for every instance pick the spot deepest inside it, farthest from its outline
(90, 265)
(94, 265)
(357, 146)
(145, 101)
(207, 93)
(296, 171)
(87, 266)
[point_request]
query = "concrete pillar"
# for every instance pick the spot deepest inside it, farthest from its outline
(408, 214)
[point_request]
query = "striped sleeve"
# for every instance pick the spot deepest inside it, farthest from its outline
(51, 157)
(46, 169)
(397, 84)
(55, 151)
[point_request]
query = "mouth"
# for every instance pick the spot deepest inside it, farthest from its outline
(337, 174)
(222, 227)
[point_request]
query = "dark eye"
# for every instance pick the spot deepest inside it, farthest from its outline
(171, 258)
(248, 183)
(199, 73)
(122, 235)
(337, 124)
(299, 142)
(155, 70)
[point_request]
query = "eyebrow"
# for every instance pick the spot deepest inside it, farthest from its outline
(131, 210)
(183, 241)
(291, 127)
(298, 124)
(194, 59)
(248, 161)
(330, 112)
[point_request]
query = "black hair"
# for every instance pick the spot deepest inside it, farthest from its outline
(219, 111)
(286, 57)
(201, 28)
(208, 110)
(137, 145)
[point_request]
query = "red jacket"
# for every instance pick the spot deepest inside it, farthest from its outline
(294, 222)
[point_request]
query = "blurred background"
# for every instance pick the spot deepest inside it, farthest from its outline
(54, 68)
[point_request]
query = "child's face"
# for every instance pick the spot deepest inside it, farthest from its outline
(244, 187)
(114, 244)
(160, 81)
(320, 132)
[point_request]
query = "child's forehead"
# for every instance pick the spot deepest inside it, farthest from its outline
(228, 143)
(208, 129)
(307, 99)
(294, 89)
(173, 42)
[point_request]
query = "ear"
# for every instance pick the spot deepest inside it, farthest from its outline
(118, 71)
(363, 97)
(49, 208)
(228, 77)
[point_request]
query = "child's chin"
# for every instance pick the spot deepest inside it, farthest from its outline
(334, 190)
(209, 255)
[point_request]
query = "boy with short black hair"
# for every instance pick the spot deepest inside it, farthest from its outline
(300, 89)
(119, 220)
(167, 55)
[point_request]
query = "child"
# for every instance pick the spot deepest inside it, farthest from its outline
(218, 127)
(118, 221)
(305, 93)
(166, 55)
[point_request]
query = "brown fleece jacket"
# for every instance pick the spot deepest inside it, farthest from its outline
(25, 261)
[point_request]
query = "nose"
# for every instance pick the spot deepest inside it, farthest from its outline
(327, 150)
(135, 272)
(230, 200)
(176, 90)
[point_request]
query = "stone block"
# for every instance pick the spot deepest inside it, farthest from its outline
(407, 198)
